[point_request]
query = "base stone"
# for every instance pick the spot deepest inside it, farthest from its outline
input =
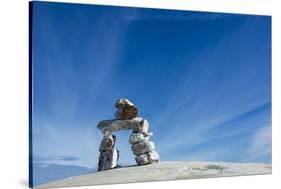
(108, 159)
(147, 158)
(153, 156)
(142, 159)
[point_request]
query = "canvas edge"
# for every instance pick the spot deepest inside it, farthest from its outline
(30, 159)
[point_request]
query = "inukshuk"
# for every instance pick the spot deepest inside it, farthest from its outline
(126, 118)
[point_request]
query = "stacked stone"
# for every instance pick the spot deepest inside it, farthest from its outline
(126, 118)
(143, 149)
(108, 154)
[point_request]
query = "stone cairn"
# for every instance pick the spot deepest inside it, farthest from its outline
(126, 119)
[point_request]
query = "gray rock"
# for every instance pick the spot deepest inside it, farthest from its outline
(142, 147)
(137, 137)
(147, 158)
(142, 159)
(110, 126)
(142, 127)
(153, 156)
(126, 113)
(107, 143)
(123, 102)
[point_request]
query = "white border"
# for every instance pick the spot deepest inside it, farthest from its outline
(14, 91)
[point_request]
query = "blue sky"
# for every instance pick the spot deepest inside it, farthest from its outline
(202, 80)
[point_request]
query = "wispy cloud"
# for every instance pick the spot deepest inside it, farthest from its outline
(46, 159)
(261, 144)
(65, 145)
(205, 142)
(69, 158)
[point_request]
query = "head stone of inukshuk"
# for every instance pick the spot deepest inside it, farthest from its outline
(126, 119)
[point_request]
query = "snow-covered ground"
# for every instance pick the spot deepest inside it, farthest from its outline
(162, 171)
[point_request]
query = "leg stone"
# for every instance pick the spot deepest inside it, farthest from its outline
(108, 153)
(107, 159)
(142, 159)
